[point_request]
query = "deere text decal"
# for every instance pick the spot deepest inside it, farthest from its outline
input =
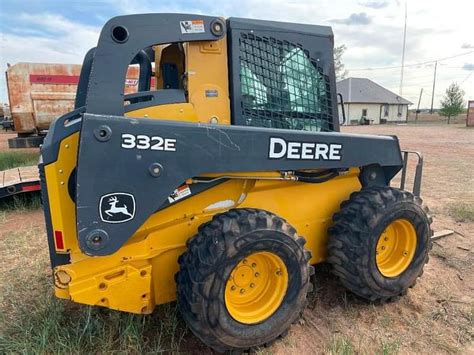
(282, 149)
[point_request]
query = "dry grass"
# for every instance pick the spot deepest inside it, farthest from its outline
(33, 321)
(462, 212)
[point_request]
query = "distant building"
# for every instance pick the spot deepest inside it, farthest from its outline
(365, 98)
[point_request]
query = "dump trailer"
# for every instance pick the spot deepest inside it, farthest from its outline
(40, 92)
(223, 185)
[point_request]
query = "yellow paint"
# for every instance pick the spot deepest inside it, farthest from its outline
(206, 65)
(256, 287)
(176, 112)
(62, 207)
(396, 248)
(207, 83)
(156, 246)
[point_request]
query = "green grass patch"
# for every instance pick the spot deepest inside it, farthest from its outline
(9, 159)
(390, 347)
(340, 346)
(46, 325)
(20, 202)
(462, 212)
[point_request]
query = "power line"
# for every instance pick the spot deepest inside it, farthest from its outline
(414, 64)
(467, 77)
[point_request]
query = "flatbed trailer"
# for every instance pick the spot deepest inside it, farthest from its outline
(19, 180)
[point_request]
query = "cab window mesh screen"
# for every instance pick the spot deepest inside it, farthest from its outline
(282, 87)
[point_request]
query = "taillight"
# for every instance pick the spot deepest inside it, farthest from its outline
(58, 238)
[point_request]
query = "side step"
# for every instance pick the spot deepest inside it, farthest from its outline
(19, 180)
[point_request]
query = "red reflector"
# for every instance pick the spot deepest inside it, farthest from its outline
(31, 188)
(58, 236)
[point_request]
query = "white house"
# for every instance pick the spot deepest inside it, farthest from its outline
(365, 98)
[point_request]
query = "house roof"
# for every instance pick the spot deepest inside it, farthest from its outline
(362, 90)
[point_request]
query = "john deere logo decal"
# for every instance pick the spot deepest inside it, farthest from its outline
(117, 207)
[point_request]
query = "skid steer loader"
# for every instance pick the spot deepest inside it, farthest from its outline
(223, 180)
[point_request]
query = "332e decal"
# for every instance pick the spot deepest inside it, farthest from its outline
(142, 141)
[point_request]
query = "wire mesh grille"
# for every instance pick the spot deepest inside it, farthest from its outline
(282, 87)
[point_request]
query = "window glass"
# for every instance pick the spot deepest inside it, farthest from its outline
(282, 87)
(303, 82)
(254, 93)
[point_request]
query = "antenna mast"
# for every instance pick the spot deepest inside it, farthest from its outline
(403, 52)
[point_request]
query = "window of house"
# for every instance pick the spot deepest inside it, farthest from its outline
(400, 110)
(385, 110)
(364, 112)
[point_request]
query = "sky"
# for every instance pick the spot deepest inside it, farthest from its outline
(59, 31)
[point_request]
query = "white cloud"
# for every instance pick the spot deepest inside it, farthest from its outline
(354, 19)
(67, 43)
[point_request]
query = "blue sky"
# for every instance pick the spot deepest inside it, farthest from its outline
(62, 31)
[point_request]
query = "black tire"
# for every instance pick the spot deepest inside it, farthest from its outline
(211, 256)
(356, 231)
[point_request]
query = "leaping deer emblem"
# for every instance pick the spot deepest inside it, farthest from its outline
(114, 209)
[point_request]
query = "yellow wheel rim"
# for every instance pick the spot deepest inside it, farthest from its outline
(396, 248)
(256, 287)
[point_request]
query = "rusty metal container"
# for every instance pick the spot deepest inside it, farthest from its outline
(39, 93)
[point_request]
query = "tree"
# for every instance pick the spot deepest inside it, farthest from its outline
(341, 72)
(452, 103)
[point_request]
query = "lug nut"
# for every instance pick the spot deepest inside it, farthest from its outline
(383, 248)
(257, 274)
(405, 253)
(233, 288)
(254, 265)
(242, 291)
(252, 285)
(278, 272)
(386, 238)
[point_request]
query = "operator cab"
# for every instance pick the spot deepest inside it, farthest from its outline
(245, 72)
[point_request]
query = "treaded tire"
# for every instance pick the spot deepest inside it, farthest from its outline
(355, 233)
(211, 256)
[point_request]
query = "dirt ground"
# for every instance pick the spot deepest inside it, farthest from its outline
(437, 315)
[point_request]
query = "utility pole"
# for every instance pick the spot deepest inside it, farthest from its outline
(418, 107)
(400, 92)
(434, 84)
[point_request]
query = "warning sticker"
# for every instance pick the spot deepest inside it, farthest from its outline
(194, 26)
(179, 193)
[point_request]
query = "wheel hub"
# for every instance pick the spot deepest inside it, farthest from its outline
(256, 287)
(396, 248)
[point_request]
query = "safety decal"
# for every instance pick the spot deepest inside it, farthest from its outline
(179, 193)
(117, 207)
(194, 26)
